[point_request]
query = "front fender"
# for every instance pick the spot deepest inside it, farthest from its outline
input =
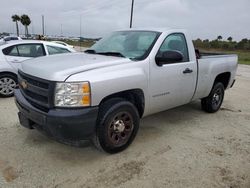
(116, 82)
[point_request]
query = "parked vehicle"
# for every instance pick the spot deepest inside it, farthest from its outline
(5, 39)
(102, 94)
(9, 38)
(15, 52)
(64, 44)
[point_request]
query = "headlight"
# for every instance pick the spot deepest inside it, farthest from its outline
(75, 94)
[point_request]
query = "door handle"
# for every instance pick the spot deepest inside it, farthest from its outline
(187, 71)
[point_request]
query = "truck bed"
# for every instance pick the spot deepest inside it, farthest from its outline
(210, 65)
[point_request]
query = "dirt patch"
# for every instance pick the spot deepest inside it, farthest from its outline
(10, 173)
(117, 176)
(163, 150)
(229, 179)
(216, 151)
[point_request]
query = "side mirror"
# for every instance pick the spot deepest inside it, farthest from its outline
(169, 56)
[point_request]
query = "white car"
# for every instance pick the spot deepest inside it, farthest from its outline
(6, 39)
(15, 52)
(64, 44)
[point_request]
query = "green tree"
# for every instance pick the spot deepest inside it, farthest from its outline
(206, 43)
(219, 37)
(230, 39)
(215, 44)
(198, 43)
(25, 20)
(243, 44)
(16, 18)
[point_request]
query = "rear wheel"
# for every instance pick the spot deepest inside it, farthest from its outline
(8, 83)
(117, 125)
(213, 102)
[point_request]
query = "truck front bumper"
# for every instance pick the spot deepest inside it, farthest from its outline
(63, 124)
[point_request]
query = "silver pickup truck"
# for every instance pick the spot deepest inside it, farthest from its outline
(101, 94)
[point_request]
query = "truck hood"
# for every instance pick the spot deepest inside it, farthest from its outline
(60, 67)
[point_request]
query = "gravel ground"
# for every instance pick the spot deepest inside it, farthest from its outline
(183, 147)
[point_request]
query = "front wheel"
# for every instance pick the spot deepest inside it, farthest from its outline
(213, 102)
(117, 125)
(8, 83)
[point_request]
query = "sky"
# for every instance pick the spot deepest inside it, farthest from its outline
(205, 19)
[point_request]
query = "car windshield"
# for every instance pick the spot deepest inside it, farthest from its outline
(135, 45)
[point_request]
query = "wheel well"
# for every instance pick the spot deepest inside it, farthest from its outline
(135, 96)
(11, 73)
(223, 78)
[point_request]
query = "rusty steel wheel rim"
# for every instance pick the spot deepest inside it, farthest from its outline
(120, 128)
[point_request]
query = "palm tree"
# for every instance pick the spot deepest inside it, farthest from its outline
(25, 20)
(16, 18)
(230, 39)
(219, 37)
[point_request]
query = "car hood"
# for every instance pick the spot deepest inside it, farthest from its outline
(60, 67)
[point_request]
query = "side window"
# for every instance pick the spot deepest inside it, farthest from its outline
(13, 38)
(176, 42)
(10, 51)
(56, 50)
(25, 50)
(30, 50)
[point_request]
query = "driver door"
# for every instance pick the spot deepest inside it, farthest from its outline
(170, 84)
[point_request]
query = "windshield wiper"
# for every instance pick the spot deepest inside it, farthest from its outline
(118, 54)
(90, 51)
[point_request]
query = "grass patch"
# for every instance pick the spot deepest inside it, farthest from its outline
(77, 43)
(86, 44)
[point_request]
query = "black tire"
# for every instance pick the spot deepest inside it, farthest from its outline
(212, 103)
(117, 125)
(8, 83)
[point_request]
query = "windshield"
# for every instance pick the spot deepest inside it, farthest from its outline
(130, 44)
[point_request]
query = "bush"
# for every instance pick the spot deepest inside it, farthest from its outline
(244, 44)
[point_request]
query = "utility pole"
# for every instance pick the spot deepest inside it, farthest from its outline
(80, 32)
(61, 31)
(43, 24)
(131, 16)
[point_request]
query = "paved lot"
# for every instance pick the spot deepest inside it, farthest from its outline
(183, 147)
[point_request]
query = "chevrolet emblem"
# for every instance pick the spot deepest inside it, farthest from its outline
(24, 84)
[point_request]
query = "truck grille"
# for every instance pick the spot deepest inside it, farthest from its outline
(36, 91)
